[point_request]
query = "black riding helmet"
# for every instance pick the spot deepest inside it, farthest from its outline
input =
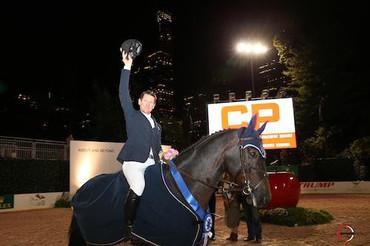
(132, 47)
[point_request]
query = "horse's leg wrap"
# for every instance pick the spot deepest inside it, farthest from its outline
(131, 204)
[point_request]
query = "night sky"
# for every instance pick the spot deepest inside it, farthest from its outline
(65, 45)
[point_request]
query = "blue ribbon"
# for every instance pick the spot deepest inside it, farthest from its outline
(205, 216)
(186, 193)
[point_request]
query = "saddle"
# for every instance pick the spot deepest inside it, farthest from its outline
(163, 217)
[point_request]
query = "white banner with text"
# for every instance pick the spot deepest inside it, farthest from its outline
(89, 159)
(335, 187)
(280, 129)
(18, 202)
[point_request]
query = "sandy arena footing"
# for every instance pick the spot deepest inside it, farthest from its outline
(50, 226)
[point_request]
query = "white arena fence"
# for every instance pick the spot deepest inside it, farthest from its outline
(27, 148)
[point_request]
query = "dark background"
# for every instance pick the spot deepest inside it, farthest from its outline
(64, 45)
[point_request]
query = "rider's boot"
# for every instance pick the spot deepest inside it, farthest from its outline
(131, 204)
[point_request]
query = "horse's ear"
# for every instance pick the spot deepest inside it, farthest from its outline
(252, 123)
(262, 128)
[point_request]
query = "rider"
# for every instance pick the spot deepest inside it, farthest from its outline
(143, 143)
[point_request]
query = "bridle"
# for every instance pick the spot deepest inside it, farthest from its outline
(248, 188)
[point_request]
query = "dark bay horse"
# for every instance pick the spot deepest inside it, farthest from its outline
(172, 208)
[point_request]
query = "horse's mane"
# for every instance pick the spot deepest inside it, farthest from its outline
(204, 140)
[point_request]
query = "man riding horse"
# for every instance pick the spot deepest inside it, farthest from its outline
(143, 143)
(173, 196)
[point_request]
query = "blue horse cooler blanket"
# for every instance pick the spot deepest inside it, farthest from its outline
(163, 217)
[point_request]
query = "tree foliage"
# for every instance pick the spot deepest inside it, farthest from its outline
(322, 54)
(359, 151)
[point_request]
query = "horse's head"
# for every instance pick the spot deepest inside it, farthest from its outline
(238, 152)
(249, 171)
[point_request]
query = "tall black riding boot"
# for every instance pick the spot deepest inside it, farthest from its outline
(131, 204)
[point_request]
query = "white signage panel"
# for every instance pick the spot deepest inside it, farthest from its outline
(89, 159)
(279, 113)
(335, 187)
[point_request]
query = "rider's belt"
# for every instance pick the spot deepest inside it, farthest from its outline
(151, 157)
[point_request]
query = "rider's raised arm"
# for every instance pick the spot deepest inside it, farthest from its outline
(124, 95)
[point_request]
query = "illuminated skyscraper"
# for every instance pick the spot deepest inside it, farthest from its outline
(160, 70)
(158, 75)
(164, 21)
(196, 113)
(272, 77)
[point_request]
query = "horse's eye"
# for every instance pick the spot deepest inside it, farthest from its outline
(253, 154)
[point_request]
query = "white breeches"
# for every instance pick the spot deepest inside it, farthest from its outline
(134, 173)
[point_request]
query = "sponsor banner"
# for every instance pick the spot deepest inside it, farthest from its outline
(335, 187)
(6, 202)
(89, 159)
(279, 141)
(280, 129)
(34, 201)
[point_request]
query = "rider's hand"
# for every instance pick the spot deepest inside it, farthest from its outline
(126, 59)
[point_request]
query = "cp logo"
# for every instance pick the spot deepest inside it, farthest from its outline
(272, 115)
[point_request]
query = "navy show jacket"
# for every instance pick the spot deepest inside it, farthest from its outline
(140, 134)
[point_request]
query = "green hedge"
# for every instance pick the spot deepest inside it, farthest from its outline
(283, 168)
(296, 216)
(33, 176)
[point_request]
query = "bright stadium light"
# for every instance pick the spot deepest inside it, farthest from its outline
(251, 49)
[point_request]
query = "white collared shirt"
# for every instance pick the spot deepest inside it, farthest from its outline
(149, 117)
(151, 121)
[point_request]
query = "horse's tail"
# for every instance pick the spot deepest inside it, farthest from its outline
(75, 237)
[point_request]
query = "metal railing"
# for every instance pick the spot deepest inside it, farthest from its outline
(27, 148)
